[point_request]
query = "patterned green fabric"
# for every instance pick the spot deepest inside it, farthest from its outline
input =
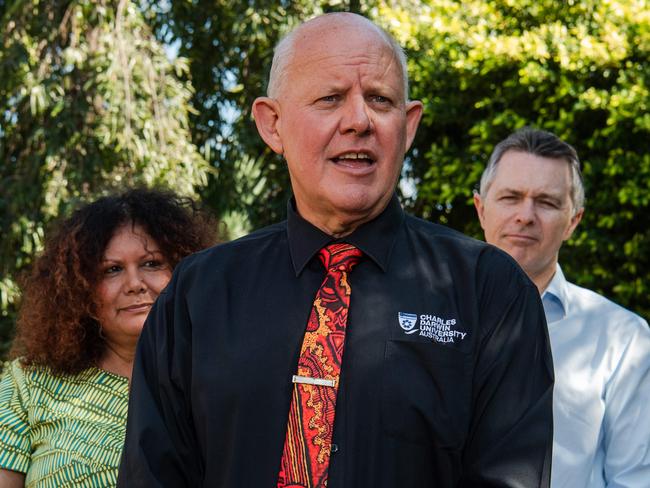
(62, 431)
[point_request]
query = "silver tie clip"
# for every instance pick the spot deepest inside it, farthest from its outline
(313, 381)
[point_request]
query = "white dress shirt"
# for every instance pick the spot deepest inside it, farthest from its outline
(601, 404)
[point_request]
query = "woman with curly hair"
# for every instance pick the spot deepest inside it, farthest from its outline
(63, 399)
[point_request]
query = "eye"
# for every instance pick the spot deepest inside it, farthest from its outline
(330, 98)
(380, 102)
(508, 198)
(110, 270)
(548, 204)
(380, 99)
(156, 264)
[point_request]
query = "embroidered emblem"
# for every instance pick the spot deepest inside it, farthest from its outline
(408, 321)
(432, 327)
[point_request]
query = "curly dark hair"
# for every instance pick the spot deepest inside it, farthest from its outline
(55, 327)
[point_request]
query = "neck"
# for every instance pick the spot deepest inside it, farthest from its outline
(338, 225)
(118, 361)
(338, 231)
(339, 221)
(543, 279)
(334, 225)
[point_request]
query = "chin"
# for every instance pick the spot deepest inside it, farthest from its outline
(360, 202)
(136, 327)
(518, 255)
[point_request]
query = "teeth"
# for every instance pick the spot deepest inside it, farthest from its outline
(354, 156)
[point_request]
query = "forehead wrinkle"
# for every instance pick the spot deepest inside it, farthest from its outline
(304, 56)
(340, 31)
(147, 253)
(367, 68)
(365, 36)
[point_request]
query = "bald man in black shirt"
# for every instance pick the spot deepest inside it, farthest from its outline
(446, 379)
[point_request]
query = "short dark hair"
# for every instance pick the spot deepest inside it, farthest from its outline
(56, 327)
(540, 143)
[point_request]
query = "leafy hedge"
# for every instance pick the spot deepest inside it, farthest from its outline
(580, 69)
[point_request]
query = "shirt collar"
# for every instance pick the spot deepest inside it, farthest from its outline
(375, 238)
(558, 288)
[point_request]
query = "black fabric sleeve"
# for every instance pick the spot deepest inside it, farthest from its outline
(511, 433)
(161, 448)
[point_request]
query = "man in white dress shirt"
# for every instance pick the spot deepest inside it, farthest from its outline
(530, 201)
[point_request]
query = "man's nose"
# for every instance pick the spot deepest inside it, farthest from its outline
(526, 211)
(356, 118)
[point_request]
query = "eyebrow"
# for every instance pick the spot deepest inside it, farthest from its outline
(537, 196)
(146, 254)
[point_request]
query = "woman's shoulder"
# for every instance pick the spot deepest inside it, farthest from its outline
(15, 372)
(37, 379)
(18, 371)
(23, 383)
(68, 428)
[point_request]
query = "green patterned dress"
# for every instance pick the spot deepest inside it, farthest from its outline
(62, 431)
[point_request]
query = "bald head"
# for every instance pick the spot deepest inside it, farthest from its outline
(338, 114)
(318, 28)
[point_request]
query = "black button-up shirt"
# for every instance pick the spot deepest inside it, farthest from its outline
(446, 378)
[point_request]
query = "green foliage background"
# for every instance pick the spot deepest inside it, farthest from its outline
(90, 103)
(580, 69)
(103, 94)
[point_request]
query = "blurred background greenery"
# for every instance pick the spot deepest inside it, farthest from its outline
(97, 95)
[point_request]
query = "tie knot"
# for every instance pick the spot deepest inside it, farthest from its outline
(340, 255)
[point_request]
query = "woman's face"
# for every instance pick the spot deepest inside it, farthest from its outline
(133, 271)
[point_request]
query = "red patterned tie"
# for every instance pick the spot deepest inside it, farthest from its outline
(306, 454)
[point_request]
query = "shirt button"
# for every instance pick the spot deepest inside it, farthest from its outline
(334, 448)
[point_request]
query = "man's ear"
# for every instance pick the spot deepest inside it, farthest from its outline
(266, 112)
(575, 220)
(478, 204)
(413, 116)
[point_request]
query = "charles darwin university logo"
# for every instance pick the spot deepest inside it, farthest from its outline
(432, 327)
(408, 321)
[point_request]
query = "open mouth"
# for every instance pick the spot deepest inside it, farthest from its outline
(354, 159)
